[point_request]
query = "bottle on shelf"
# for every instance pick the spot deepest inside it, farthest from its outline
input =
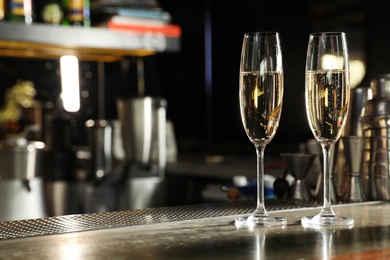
(21, 11)
(3, 10)
(77, 13)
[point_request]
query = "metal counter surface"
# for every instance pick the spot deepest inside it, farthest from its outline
(218, 238)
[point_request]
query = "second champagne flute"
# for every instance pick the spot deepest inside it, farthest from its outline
(327, 100)
(260, 97)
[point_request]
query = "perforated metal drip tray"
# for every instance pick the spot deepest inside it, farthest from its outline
(94, 221)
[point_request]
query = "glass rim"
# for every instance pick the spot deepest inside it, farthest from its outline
(319, 34)
(262, 33)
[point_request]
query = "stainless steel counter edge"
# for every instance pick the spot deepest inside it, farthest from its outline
(218, 238)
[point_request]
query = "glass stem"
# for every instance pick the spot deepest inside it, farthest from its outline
(327, 210)
(260, 210)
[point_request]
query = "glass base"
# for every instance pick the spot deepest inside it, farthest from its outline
(326, 221)
(260, 221)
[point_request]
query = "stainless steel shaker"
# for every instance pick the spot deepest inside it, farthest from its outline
(376, 133)
(353, 128)
(105, 141)
(143, 127)
(143, 123)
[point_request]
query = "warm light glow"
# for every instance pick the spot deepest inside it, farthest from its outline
(70, 83)
(27, 9)
(326, 97)
(255, 95)
(356, 66)
(71, 250)
(331, 62)
(358, 71)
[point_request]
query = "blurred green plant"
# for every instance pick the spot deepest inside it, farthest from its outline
(19, 95)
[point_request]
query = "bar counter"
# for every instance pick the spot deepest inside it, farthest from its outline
(199, 232)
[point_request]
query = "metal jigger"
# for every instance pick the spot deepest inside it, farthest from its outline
(353, 188)
(298, 165)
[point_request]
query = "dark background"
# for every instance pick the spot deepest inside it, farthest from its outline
(200, 82)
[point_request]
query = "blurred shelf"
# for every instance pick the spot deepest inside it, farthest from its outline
(92, 44)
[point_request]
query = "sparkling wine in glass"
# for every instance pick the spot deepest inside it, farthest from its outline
(260, 97)
(327, 100)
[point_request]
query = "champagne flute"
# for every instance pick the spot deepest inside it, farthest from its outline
(260, 97)
(327, 100)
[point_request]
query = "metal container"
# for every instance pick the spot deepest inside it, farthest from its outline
(298, 164)
(21, 181)
(20, 159)
(21, 199)
(353, 127)
(143, 124)
(358, 98)
(100, 140)
(143, 127)
(353, 188)
(376, 144)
